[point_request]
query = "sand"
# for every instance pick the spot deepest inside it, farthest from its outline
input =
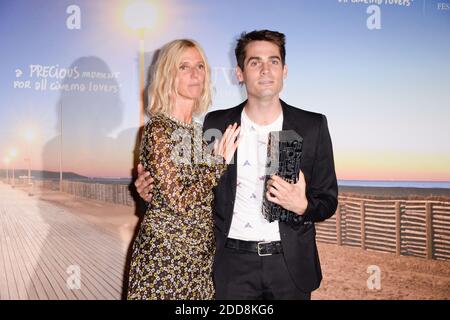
(344, 268)
(345, 275)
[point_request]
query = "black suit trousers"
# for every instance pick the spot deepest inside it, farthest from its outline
(248, 276)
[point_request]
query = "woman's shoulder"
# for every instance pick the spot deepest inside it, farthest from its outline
(160, 120)
(157, 121)
(158, 125)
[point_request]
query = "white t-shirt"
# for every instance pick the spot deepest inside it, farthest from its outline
(248, 222)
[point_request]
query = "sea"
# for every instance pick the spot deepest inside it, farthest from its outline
(395, 184)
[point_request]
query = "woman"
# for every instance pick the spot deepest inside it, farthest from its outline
(173, 252)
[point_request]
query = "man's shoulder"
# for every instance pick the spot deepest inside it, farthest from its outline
(222, 112)
(223, 116)
(301, 113)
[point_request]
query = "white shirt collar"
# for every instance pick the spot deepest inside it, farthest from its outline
(249, 126)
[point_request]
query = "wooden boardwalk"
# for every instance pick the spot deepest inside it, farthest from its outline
(47, 252)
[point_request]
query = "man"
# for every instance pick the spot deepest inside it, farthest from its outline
(255, 258)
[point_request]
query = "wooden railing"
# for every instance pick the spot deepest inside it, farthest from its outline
(418, 228)
(405, 227)
(113, 193)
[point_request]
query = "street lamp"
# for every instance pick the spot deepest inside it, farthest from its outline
(140, 15)
(13, 154)
(29, 136)
(60, 146)
(6, 160)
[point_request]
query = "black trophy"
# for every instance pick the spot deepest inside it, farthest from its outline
(284, 154)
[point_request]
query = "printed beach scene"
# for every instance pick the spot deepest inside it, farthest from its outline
(72, 111)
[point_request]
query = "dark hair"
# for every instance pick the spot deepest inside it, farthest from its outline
(277, 38)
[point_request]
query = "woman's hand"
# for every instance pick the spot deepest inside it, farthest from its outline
(144, 183)
(229, 142)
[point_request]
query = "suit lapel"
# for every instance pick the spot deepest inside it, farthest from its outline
(236, 117)
(232, 168)
(288, 124)
(287, 117)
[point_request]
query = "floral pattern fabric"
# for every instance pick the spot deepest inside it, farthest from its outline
(173, 252)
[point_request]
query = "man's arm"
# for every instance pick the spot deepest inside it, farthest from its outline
(226, 148)
(316, 201)
(144, 183)
(322, 190)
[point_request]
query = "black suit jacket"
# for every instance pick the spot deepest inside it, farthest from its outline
(298, 241)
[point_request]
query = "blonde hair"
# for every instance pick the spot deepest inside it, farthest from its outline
(163, 84)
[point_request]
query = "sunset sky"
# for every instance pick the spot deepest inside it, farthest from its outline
(385, 92)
